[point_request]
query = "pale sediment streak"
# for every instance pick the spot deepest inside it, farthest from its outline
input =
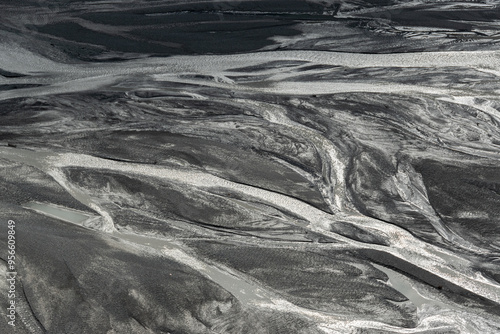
(21, 60)
(481, 59)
